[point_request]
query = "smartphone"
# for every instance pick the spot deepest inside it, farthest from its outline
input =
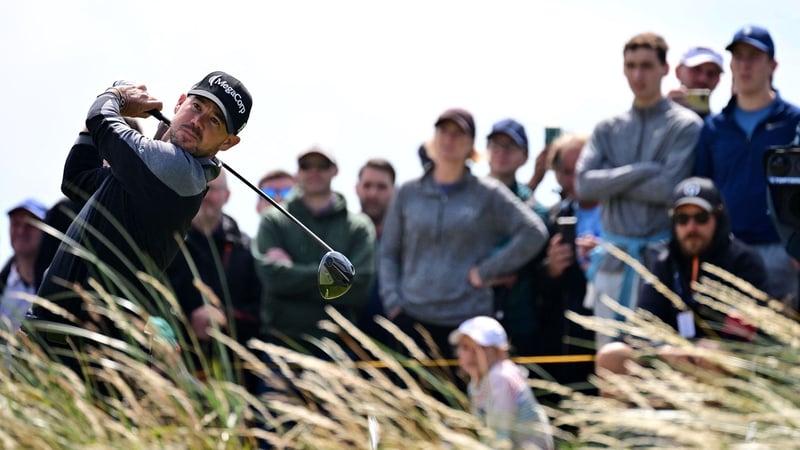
(567, 226)
(698, 100)
(550, 134)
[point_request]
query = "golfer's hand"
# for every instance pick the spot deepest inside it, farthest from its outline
(135, 101)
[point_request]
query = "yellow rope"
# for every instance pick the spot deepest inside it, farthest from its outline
(551, 359)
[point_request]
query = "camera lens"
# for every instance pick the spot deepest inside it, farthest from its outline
(779, 166)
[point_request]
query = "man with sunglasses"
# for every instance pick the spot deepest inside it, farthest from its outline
(287, 261)
(278, 185)
(700, 233)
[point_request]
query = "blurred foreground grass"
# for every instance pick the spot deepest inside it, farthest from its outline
(153, 400)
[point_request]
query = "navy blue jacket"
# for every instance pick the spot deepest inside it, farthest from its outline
(735, 163)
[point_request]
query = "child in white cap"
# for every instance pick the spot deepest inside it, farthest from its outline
(498, 389)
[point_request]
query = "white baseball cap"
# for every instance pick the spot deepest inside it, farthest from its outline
(700, 55)
(484, 330)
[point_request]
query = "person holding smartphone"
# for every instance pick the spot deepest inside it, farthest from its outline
(561, 282)
(699, 72)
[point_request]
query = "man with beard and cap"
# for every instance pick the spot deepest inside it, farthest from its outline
(700, 234)
(139, 197)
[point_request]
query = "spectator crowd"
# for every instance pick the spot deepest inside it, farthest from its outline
(467, 266)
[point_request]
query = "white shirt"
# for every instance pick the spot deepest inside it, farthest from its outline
(12, 307)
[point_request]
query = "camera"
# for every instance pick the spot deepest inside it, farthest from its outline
(782, 169)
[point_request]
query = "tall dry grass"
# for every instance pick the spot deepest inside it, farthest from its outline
(746, 398)
(138, 393)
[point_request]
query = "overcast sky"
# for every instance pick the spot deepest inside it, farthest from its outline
(366, 78)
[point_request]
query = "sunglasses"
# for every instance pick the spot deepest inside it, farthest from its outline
(321, 165)
(700, 218)
(272, 192)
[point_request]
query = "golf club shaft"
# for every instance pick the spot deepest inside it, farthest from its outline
(157, 114)
(278, 206)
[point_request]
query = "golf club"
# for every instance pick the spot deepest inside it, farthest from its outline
(336, 272)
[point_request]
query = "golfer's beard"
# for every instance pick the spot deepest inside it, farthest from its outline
(173, 139)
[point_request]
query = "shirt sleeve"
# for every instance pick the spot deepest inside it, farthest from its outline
(678, 166)
(528, 234)
(136, 160)
(277, 278)
(598, 179)
(390, 270)
(83, 170)
(361, 253)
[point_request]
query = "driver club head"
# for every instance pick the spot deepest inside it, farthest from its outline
(336, 274)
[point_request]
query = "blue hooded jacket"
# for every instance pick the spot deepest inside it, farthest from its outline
(735, 163)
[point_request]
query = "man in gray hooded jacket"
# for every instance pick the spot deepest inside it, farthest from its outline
(631, 165)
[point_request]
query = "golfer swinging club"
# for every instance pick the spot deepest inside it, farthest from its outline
(145, 196)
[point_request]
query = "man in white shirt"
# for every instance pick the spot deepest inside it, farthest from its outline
(18, 274)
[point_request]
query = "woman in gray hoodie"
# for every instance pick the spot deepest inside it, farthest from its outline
(438, 258)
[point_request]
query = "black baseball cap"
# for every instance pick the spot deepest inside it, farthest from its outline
(460, 117)
(697, 191)
(230, 95)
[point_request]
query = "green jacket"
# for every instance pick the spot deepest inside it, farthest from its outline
(291, 304)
